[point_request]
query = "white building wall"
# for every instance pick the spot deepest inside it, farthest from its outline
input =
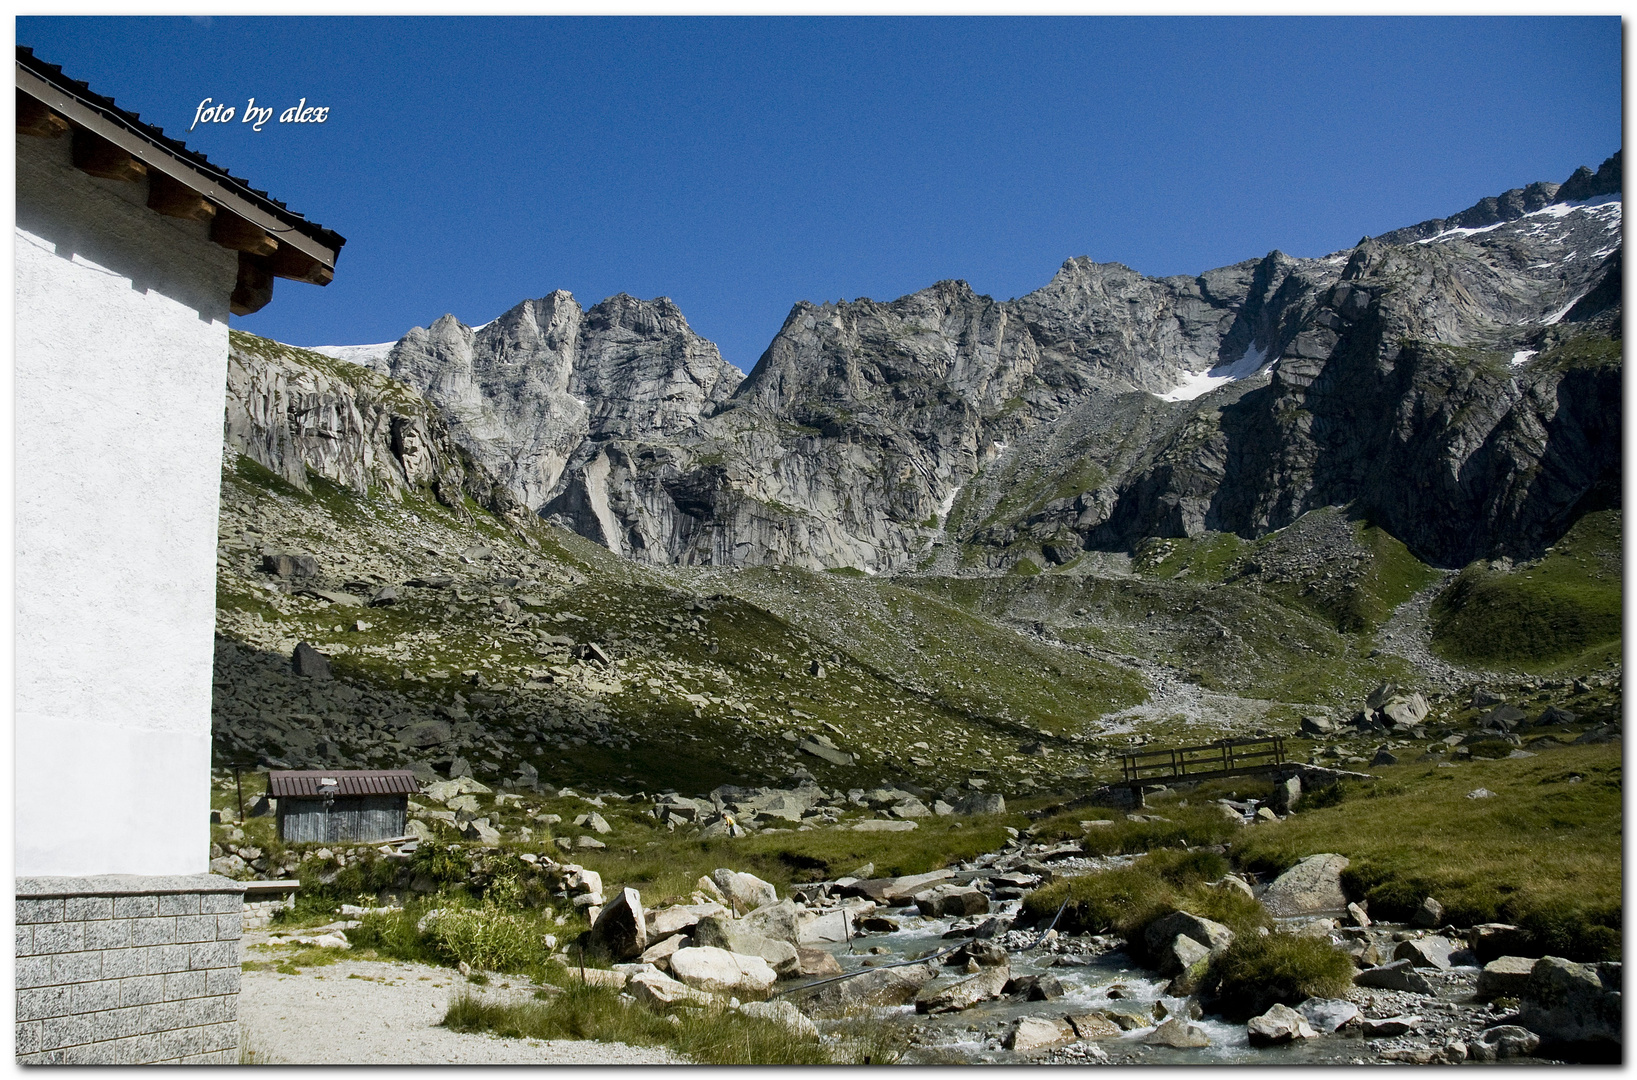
(121, 322)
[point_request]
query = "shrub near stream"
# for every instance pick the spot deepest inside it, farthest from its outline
(1257, 972)
(1127, 899)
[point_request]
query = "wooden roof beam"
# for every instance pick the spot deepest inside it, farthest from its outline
(236, 234)
(254, 289)
(171, 197)
(294, 265)
(149, 149)
(33, 118)
(95, 155)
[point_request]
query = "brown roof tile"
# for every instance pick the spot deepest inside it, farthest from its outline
(308, 783)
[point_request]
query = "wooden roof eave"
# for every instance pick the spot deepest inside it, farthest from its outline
(160, 160)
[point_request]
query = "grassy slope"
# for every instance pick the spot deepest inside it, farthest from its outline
(898, 665)
(1226, 638)
(1561, 611)
(1546, 849)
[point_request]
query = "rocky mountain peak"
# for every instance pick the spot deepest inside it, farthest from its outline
(1516, 203)
(1585, 184)
(647, 318)
(872, 433)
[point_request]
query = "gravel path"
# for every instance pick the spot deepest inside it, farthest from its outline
(1408, 633)
(360, 1012)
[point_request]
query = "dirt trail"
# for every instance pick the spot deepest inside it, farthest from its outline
(1408, 633)
(359, 1012)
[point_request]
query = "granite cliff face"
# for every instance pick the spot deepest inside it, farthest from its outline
(1457, 381)
(526, 392)
(297, 414)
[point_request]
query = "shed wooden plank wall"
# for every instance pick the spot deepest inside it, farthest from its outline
(351, 818)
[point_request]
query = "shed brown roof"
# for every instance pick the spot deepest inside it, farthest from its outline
(282, 783)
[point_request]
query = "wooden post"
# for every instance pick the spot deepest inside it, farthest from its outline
(254, 289)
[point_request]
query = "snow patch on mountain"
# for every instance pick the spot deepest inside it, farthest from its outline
(1201, 383)
(369, 356)
(1607, 207)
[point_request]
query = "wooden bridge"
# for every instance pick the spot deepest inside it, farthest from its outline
(1225, 757)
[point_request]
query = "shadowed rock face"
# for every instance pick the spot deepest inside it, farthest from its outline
(886, 435)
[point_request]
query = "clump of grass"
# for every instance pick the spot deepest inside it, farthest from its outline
(860, 1037)
(706, 1036)
(366, 874)
(1257, 972)
(393, 934)
(290, 959)
(1127, 899)
(485, 937)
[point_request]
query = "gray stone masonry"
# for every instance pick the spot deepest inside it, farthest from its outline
(127, 969)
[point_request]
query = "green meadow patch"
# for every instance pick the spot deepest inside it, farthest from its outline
(1539, 615)
(1543, 851)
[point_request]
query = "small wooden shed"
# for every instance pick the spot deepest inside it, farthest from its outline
(317, 806)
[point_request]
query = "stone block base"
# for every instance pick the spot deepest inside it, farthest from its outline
(128, 969)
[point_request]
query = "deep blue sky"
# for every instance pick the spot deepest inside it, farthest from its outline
(740, 165)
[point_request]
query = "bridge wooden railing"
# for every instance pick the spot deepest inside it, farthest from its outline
(1225, 757)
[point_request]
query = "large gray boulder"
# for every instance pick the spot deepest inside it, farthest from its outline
(718, 971)
(1286, 794)
(1506, 976)
(620, 928)
(989, 982)
(1491, 941)
(1398, 975)
(776, 920)
(1178, 1035)
(1311, 887)
(1429, 914)
(658, 990)
(1185, 958)
(980, 802)
(309, 663)
(1279, 1025)
(875, 988)
(290, 565)
(426, 733)
(679, 917)
(1405, 711)
(734, 936)
(1327, 1015)
(745, 892)
(898, 890)
(1031, 1033)
(1504, 1041)
(1431, 951)
(1162, 931)
(1573, 1010)
(822, 748)
(952, 900)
